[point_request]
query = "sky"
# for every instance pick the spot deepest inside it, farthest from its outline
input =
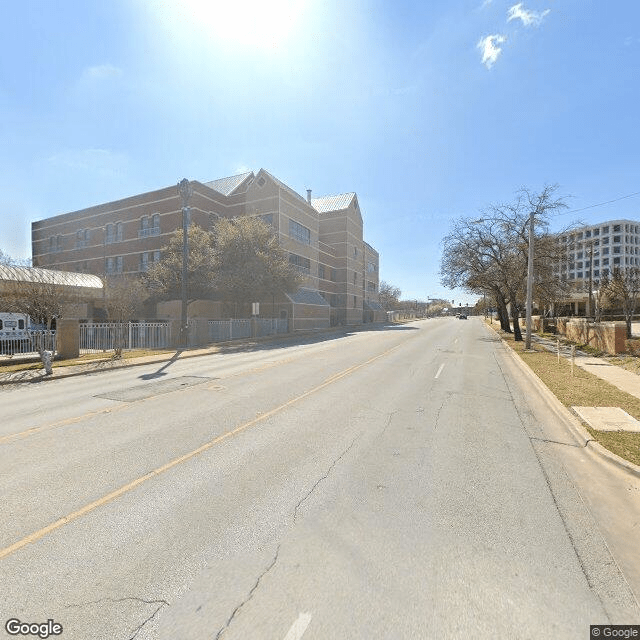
(428, 110)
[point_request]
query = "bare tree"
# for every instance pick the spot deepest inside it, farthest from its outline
(124, 299)
(389, 296)
(490, 255)
(623, 289)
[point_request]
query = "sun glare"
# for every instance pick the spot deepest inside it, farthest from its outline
(257, 24)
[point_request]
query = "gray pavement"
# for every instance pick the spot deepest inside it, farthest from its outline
(396, 484)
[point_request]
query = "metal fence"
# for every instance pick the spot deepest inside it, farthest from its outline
(235, 329)
(29, 344)
(103, 336)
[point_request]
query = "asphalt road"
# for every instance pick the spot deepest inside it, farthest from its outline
(397, 483)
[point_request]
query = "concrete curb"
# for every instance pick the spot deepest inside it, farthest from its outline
(573, 424)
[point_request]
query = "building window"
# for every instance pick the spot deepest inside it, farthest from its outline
(605, 251)
(616, 238)
(616, 228)
(605, 229)
(321, 271)
(596, 273)
(55, 244)
(596, 232)
(145, 228)
(118, 264)
(579, 274)
(371, 267)
(109, 237)
(616, 261)
(371, 286)
(355, 276)
(301, 263)
(144, 261)
(605, 261)
(110, 265)
(334, 275)
(616, 249)
(156, 256)
(155, 224)
(267, 218)
(355, 302)
(299, 233)
(83, 237)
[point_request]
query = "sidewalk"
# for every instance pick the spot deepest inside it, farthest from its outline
(617, 376)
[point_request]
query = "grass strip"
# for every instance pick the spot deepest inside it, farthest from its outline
(583, 389)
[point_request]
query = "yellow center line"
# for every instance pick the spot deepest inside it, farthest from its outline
(176, 461)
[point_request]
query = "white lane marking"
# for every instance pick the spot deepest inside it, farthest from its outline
(455, 341)
(440, 370)
(298, 627)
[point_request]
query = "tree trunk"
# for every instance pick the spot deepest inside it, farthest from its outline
(503, 313)
(515, 317)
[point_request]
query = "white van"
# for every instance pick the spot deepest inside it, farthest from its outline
(14, 333)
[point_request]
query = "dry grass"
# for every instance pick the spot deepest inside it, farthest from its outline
(583, 389)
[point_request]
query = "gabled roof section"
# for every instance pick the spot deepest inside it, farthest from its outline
(332, 203)
(282, 185)
(49, 276)
(307, 296)
(227, 186)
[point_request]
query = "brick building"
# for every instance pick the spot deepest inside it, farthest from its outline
(323, 236)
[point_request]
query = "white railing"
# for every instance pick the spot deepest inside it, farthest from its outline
(235, 329)
(103, 336)
(29, 344)
(271, 326)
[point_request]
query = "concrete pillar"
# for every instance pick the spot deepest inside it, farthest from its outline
(68, 338)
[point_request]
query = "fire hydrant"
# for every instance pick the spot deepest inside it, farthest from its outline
(46, 360)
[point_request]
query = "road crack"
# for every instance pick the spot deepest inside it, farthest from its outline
(324, 477)
(236, 611)
(136, 631)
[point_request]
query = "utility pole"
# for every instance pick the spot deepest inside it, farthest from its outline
(185, 190)
(527, 344)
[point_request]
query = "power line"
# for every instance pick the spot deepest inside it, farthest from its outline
(600, 204)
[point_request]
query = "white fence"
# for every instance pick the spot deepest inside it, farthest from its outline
(235, 329)
(103, 336)
(31, 345)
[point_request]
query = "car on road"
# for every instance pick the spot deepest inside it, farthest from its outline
(462, 316)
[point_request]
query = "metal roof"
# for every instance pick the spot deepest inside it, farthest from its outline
(282, 185)
(49, 276)
(226, 186)
(308, 296)
(332, 203)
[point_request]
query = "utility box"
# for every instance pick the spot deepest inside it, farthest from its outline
(68, 338)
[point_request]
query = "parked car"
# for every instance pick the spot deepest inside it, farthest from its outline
(462, 316)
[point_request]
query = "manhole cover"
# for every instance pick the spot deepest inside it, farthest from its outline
(155, 388)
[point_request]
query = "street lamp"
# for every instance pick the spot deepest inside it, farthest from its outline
(185, 190)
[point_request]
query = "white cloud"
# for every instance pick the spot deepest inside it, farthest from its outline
(490, 50)
(529, 18)
(101, 72)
